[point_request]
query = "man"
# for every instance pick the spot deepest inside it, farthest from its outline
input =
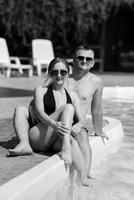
(89, 89)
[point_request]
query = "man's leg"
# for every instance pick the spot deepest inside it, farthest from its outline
(78, 162)
(21, 127)
(77, 159)
(83, 141)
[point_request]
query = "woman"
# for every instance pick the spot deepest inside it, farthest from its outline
(51, 116)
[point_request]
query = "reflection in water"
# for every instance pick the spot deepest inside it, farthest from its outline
(114, 177)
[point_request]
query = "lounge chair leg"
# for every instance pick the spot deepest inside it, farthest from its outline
(8, 73)
(46, 72)
(30, 72)
(39, 70)
(20, 71)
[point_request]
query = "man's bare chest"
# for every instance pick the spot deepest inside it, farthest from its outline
(83, 89)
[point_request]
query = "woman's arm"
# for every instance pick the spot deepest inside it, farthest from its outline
(44, 117)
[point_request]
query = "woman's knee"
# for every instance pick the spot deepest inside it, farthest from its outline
(69, 108)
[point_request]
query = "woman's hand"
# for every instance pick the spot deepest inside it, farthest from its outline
(60, 128)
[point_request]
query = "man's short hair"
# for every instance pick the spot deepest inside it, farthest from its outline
(83, 47)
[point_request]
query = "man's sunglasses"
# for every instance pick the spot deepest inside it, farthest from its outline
(88, 59)
(56, 72)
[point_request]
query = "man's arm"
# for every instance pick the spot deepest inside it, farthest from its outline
(97, 111)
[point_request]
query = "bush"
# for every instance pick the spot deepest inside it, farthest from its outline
(67, 23)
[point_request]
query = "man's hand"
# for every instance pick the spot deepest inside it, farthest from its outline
(103, 136)
(76, 128)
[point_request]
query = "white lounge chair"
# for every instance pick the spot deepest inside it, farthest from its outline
(43, 53)
(9, 63)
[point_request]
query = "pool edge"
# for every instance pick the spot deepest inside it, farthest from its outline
(36, 182)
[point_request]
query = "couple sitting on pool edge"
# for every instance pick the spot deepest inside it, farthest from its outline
(54, 120)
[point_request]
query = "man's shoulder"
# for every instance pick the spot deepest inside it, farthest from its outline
(70, 75)
(96, 79)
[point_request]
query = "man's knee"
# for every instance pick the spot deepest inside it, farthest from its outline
(83, 135)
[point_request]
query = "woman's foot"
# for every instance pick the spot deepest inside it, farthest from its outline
(20, 150)
(66, 156)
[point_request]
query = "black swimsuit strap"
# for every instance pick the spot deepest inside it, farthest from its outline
(69, 100)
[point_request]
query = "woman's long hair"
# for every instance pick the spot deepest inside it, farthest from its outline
(48, 80)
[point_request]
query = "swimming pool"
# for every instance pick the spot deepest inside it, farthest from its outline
(114, 175)
(115, 179)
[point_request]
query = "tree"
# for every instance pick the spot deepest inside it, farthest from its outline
(66, 22)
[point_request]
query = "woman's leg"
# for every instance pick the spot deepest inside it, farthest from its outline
(67, 118)
(43, 137)
(83, 141)
(21, 127)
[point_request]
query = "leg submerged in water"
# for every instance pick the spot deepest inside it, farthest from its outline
(83, 141)
(78, 162)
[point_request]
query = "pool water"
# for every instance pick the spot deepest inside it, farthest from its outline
(114, 177)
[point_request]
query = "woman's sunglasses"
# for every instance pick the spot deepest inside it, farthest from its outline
(88, 59)
(56, 72)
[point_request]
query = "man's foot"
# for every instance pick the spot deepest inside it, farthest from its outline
(90, 177)
(20, 150)
(84, 182)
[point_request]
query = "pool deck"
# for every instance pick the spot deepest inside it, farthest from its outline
(14, 166)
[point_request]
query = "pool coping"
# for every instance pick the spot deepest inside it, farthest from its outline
(32, 183)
